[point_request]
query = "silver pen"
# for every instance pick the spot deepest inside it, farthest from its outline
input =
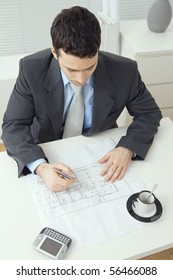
(64, 174)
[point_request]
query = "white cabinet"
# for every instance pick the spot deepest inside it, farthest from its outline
(154, 55)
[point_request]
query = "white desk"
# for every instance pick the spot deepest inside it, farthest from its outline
(20, 223)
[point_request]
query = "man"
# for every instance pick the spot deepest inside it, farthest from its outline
(41, 99)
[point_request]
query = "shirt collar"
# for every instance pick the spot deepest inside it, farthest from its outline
(64, 78)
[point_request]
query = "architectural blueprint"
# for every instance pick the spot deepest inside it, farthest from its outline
(89, 203)
(88, 190)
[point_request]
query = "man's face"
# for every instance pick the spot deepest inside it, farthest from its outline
(77, 69)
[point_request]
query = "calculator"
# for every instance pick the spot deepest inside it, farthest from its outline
(52, 243)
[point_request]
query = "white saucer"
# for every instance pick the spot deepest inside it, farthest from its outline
(145, 215)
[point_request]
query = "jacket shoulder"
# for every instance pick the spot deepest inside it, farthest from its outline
(107, 58)
(43, 54)
(38, 62)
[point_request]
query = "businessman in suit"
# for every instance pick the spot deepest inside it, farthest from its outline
(41, 98)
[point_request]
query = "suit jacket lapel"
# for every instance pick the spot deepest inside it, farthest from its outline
(54, 97)
(103, 96)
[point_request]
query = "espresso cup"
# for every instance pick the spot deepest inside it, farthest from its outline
(144, 204)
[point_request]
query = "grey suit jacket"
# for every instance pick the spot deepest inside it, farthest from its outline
(35, 110)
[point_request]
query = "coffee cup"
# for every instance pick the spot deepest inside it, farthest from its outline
(144, 204)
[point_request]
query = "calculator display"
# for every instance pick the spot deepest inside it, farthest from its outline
(50, 246)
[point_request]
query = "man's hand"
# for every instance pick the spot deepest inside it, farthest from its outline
(115, 163)
(52, 179)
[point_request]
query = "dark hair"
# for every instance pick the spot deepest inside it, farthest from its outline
(77, 31)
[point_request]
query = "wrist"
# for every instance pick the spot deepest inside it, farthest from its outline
(40, 168)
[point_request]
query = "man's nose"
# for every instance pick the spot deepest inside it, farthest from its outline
(81, 77)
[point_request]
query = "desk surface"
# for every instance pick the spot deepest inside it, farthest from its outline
(20, 223)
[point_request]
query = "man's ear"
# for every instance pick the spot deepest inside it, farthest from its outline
(54, 53)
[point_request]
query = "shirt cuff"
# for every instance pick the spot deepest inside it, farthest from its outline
(34, 164)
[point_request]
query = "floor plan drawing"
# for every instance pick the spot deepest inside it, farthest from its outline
(88, 190)
(90, 204)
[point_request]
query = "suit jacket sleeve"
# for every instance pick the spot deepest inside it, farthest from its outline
(146, 118)
(118, 85)
(17, 123)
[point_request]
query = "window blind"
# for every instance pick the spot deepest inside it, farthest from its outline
(25, 25)
(135, 9)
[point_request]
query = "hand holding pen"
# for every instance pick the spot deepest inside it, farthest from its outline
(64, 175)
(57, 176)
